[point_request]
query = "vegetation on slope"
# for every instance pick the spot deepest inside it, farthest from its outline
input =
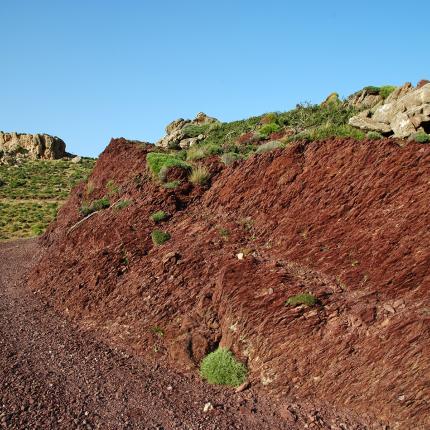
(31, 193)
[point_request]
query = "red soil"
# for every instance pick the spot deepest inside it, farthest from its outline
(347, 221)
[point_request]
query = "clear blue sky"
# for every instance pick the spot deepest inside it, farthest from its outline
(91, 70)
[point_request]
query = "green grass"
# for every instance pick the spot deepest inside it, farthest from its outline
(386, 90)
(422, 137)
(374, 135)
(327, 131)
(221, 367)
(229, 158)
(158, 161)
(122, 204)
(302, 299)
(267, 129)
(25, 219)
(32, 192)
(159, 216)
(94, 206)
(43, 179)
(269, 146)
(159, 237)
(199, 175)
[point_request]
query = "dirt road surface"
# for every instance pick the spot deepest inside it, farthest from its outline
(54, 377)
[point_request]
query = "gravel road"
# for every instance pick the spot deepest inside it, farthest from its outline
(52, 376)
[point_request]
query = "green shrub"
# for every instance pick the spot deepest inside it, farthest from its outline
(302, 299)
(197, 152)
(194, 130)
(157, 161)
(221, 367)
(229, 158)
(328, 131)
(371, 89)
(386, 90)
(123, 204)
(199, 175)
(374, 135)
(267, 129)
(269, 146)
(422, 137)
(159, 216)
(159, 237)
(112, 188)
(96, 205)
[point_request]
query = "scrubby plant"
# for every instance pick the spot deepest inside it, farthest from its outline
(229, 158)
(386, 90)
(159, 216)
(267, 129)
(158, 160)
(422, 137)
(269, 146)
(96, 205)
(122, 204)
(157, 331)
(194, 130)
(328, 131)
(199, 175)
(197, 152)
(302, 299)
(374, 135)
(171, 185)
(112, 188)
(222, 368)
(159, 237)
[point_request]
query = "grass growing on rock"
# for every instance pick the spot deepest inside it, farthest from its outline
(159, 216)
(269, 146)
(302, 299)
(157, 161)
(222, 368)
(422, 137)
(159, 237)
(199, 175)
(96, 205)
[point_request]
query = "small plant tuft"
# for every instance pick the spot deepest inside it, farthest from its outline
(159, 216)
(229, 158)
(96, 205)
(199, 175)
(374, 135)
(221, 367)
(422, 137)
(157, 161)
(159, 237)
(269, 146)
(302, 299)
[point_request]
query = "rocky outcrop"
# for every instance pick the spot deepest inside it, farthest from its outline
(366, 98)
(180, 134)
(34, 146)
(404, 112)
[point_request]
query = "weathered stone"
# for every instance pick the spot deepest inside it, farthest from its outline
(404, 111)
(369, 125)
(175, 135)
(34, 146)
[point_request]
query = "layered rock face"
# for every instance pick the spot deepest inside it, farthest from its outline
(404, 112)
(177, 135)
(35, 146)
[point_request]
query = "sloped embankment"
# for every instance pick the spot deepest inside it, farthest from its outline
(347, 221)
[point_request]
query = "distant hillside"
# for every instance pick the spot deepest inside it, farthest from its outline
(32, 192)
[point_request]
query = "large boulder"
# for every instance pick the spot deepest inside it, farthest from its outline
(404, 112)
(177, 136)
(34, 146)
